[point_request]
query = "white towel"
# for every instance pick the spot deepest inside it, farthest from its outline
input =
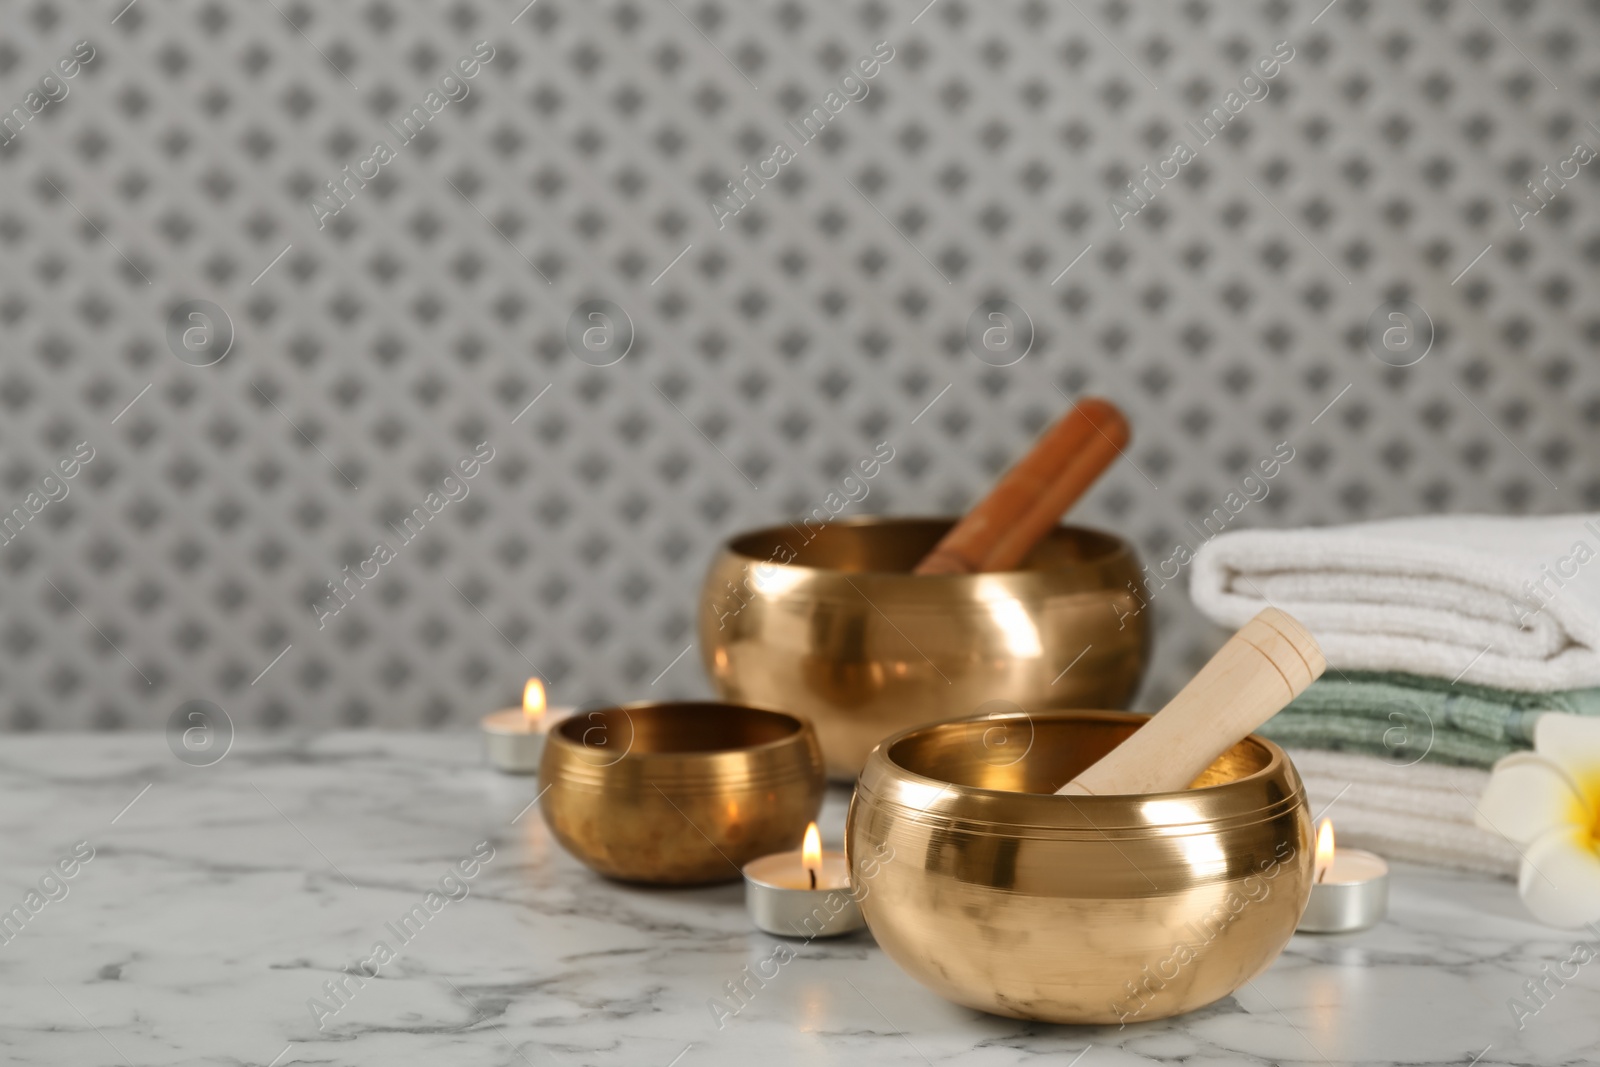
(1512, 603)
(1421, 813)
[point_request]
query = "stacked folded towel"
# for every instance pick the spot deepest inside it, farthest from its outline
(1421, 813)
(1499, 602)
(1446, 637)
(1407, 718)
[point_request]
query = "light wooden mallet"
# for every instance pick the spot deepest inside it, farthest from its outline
(1264, 666)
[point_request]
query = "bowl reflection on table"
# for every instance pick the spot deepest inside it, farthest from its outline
(1076, 909)
(680, 793)
(843, 634)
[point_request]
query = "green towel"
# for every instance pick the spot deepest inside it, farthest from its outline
(1405, 718)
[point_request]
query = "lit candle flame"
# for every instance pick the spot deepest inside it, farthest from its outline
(811, 853)
(1324, 848)
(533, 702)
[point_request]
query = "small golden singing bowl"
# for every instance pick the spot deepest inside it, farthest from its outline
(997, 894)
(682, 793)
(837, 629)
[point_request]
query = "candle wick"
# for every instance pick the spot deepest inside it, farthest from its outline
(812, 871)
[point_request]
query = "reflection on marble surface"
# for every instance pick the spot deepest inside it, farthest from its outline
(217, 906)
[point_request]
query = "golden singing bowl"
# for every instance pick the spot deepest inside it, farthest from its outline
(997, 894)
(836, 629)
(680, 794)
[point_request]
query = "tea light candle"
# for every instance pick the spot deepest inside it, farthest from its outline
(802, 894)
(1349, 891)
(514, 738)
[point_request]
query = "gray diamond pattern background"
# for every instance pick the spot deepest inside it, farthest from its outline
(374, 349)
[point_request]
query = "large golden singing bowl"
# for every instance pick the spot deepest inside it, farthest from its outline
(836, 629)
(998, 895)
(680, 794)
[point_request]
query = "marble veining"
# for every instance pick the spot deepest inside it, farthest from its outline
(220, 900)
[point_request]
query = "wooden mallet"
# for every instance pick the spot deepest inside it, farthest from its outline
(1028, 501)
(1260, 669)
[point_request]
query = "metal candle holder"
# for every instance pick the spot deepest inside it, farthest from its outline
(780, 902)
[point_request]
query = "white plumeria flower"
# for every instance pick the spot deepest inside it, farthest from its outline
(1547, 802)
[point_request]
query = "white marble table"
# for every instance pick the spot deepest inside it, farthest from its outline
(217, 906)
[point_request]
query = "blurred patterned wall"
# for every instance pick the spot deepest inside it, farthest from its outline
(279, 269)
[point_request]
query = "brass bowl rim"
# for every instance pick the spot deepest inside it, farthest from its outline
(1116, 548)
(1110, 805)
(801, 727)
